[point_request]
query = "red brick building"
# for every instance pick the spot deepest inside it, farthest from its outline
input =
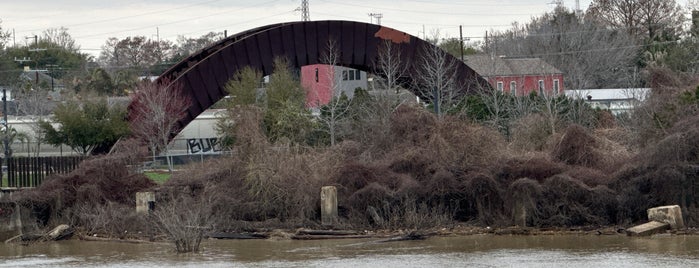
(519, 76)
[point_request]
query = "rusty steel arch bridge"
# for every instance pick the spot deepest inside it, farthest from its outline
(204, 75)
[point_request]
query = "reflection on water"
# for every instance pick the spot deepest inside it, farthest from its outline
(471, 251)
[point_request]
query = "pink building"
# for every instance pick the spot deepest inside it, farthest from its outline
(518, 76)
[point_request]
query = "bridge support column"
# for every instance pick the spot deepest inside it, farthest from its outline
(328, 205)
(145, 201)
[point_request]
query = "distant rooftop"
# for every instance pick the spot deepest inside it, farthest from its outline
(486, 65)
(609, 93)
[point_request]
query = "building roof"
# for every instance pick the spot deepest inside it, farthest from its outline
(609, 93)
(486, 65)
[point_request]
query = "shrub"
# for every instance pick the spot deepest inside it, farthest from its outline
(576, 147)
(484, 200)
(525, 194)
(536, 168)
(569, 202)
(96, 181)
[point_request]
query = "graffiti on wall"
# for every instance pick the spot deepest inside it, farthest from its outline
(203, 146)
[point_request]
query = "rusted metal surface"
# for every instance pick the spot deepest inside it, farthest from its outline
(204, 74)
(394, 35)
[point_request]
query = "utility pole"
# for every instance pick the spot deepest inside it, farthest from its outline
(461, 41)
(378, 17)
(5, 128)
(36, 44)
(304, 11)
(35, 49)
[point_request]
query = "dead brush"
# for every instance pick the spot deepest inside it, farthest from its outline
(483, 200)
(530, 133)
(569, 202)
(96, 181)
(576, 147)
(287, 181)
(415, 161)
(613, 149)
(409, 213)
(411, 124)
(589, 176)
(110, 219)
(537, 167)
(459, 144)
(524, 197)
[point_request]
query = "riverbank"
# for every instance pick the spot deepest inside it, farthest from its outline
(389, 235)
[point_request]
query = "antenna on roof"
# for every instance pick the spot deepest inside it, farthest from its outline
(378, 17)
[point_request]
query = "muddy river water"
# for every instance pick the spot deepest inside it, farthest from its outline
(463, 251)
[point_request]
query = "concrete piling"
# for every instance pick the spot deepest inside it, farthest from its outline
(144, 202)
(328, 205)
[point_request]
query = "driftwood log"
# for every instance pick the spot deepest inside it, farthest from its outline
(61, 232)
(237, 236)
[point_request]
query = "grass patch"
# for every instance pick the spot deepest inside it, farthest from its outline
(158, 177)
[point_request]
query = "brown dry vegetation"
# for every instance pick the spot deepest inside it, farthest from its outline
(433, 172)
(98, 196)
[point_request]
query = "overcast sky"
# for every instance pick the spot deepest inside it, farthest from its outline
(91, 22)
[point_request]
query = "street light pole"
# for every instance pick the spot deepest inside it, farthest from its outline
(5, 140)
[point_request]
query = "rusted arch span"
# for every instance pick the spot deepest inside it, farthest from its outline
(204, 75)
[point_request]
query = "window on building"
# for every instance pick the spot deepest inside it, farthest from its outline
(500, 86)
(513, 88)
(351, 75)
(541, 87)
(316, 75)
(556, 87)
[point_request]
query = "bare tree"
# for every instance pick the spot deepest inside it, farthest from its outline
(335, 112)
(61, 38)
(186, 46)
(643, 18)
(4, 37)
(437, 82)
(155, 111)
(134, 52)
(390, 65)
(184, 219)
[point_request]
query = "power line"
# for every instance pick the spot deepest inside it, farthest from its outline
(176, 21)
(230, 25)
(88, 23)
(488, 14)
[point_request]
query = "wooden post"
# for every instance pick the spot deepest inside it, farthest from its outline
(144, 202)
(328, 205)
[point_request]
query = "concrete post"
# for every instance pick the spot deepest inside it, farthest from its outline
(144, 201)
(520, 214)
(328, 205)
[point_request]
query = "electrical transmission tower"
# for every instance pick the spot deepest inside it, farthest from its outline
(304, 11)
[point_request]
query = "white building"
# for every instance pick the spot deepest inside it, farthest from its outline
(616, 100)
